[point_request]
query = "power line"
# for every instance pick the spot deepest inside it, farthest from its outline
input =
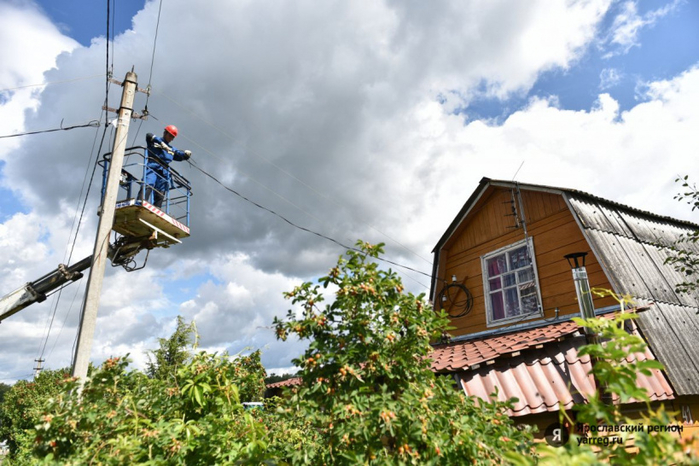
(320, 235)
(91, 124)
(76, 224)
(155, 41)
(280, 196)
(318, 193)
(150, 75)
(9, 89)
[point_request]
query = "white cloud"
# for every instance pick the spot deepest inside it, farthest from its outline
(30, 44)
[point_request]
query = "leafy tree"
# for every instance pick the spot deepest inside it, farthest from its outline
(186, 410)
(22, 407)
(173, 352)
(125, 417)
(367, 385)
(4, 388)
(685, 258)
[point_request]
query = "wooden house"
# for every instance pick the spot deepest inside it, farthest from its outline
(500, 272)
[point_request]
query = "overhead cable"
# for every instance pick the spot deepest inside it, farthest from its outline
(150, 74)
(91, 124)
(286, 172)
(320, 235)
(9, 89)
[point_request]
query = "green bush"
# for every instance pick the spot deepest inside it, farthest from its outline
(368, 390)
(126, 417)
(22, 407)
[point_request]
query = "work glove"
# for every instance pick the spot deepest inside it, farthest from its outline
(149, 137)
(187, 154)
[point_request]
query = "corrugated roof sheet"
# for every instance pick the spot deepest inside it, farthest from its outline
(633, 252)
(671, 331)
(549, 378)
(632, 247)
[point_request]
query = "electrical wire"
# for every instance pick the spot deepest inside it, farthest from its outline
(294, 205)
(280, 196)
(291, 175)
(155, 42)
(91, 124)
(150, 74)
(26, 376)
(307, 230)
(10, 89)
(75, 238)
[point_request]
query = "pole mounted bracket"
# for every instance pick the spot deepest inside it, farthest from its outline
(120, 83)
(134, 115)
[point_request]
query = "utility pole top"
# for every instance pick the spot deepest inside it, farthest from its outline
(38, 368)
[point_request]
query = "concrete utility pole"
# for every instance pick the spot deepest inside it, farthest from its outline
(104, 229)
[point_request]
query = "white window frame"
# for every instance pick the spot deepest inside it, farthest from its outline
(490, 321)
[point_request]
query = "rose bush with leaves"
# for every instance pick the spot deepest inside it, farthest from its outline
(367, 385)
(23, 405)
(125, 417)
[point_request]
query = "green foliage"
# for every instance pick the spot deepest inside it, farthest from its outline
(368, 390)
(684, 257)
(23, 406)
(122, 417)
(173, 351)
(4, 388)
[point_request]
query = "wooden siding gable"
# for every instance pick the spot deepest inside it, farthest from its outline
(489, 225)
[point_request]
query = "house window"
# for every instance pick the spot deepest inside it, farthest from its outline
(511, 284)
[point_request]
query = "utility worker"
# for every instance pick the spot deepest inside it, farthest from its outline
(160, 154)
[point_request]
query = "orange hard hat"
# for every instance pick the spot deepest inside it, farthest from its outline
(172, 129)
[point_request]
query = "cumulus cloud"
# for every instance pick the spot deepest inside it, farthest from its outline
(30, 44)
(328, 114)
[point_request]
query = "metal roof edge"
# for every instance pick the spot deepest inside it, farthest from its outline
(463, 213)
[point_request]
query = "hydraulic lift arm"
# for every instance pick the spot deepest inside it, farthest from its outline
(36, 291)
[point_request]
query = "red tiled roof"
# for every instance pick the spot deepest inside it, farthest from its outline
(546, 379)
(543, 378)
(285, 383)
(470, 354)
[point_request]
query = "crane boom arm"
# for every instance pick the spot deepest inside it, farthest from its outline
(36, 291)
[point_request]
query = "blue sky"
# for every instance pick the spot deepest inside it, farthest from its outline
(357, 120)
(84, 20)
(662, 50)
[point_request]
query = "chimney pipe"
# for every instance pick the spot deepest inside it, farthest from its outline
(582, 285)
(576, 261)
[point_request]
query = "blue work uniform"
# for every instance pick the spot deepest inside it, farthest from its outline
(157, 179)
